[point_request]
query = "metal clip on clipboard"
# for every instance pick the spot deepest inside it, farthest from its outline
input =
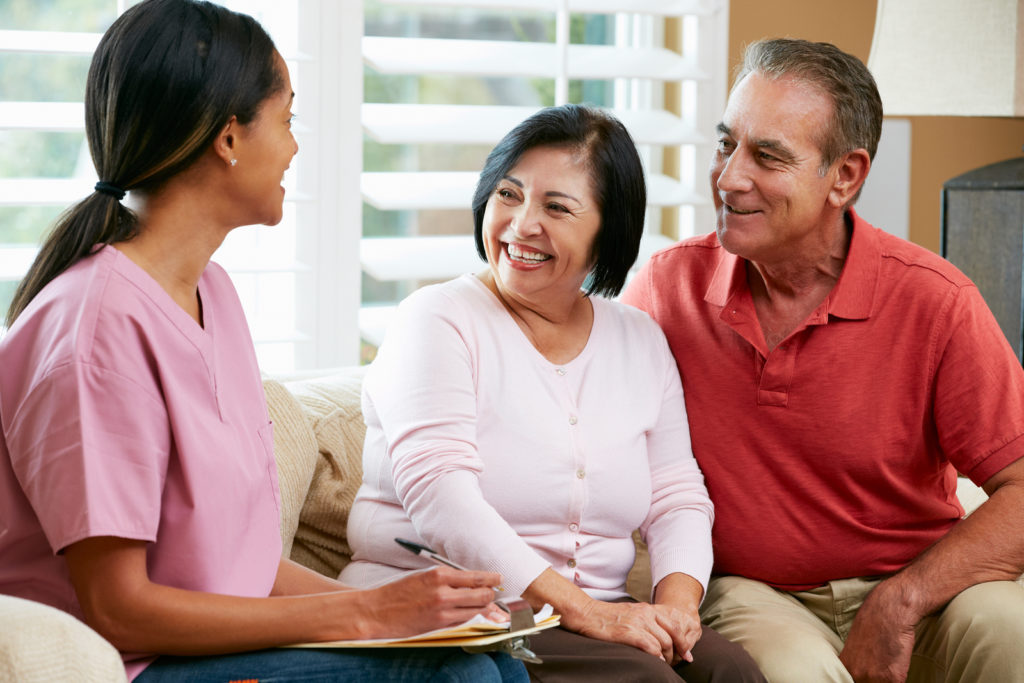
(521, 618)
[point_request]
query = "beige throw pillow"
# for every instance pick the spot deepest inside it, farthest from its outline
(333, 408)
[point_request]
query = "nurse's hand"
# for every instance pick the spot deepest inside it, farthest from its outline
(428, 600)
(118, 600)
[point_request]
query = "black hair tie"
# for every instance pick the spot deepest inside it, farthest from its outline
(108, 188)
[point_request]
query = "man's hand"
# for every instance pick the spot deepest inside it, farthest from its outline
(881, 639)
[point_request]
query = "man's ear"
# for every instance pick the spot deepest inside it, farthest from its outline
(851, 172)
(224, 143)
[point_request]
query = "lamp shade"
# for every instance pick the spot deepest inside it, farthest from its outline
(949, 57)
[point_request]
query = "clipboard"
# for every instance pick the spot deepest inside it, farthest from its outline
(475, 635)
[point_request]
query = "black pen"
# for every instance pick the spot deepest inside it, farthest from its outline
(424, 551)
(434, 556)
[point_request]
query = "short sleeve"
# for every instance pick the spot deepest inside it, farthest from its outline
(90, 450)
(979, 391)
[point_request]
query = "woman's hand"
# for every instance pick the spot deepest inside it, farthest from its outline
(659, 630)
(680, 594)
(430, 599)
(667, 629)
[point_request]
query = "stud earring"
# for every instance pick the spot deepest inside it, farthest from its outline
(234, 162)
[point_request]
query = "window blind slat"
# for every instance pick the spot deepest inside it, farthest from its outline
(404, 191)
(43, 191)
(14, 261)
(486, 125)
(412, 190)
(665, 8)
(540, 60)
(42, 116)
(49, 42)
(436, 257)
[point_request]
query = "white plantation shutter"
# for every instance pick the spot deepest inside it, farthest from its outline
(20, 117)
(291, 278)
(397, 105)
(437, 40)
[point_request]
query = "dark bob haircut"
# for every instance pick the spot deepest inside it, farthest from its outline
(617, 178)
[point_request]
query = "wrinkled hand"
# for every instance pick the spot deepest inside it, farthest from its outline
(431, 599)
(660, 630)
(684, 627)
(880, 643)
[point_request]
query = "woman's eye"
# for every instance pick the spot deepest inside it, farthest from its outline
(558, 207)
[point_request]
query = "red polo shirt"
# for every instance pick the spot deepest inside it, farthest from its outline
(835, 454)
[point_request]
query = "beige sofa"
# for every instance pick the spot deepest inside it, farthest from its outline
(318, 435)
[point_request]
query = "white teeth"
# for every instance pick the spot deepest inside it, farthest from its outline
(527, 256)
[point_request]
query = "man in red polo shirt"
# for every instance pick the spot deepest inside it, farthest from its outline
(836, 380)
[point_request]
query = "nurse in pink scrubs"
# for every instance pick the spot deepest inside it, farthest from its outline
(138, 489)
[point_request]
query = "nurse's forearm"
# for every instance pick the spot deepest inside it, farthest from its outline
(136, 615)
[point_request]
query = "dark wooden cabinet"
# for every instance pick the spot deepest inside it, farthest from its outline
(983, 235)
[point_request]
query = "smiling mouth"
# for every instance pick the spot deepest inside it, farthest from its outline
(521, 255)
(740, 212)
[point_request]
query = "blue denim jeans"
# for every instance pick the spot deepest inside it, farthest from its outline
(393, 665)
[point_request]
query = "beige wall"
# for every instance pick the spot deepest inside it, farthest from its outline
(941, 147)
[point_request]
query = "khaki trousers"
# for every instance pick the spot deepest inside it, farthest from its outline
(796, 637)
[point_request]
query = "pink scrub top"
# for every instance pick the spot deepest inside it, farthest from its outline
(121, 416)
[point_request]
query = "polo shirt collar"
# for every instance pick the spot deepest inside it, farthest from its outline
(851, 298)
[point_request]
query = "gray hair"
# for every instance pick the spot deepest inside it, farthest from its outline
(857, 106)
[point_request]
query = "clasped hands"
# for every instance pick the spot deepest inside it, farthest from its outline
(664, 631)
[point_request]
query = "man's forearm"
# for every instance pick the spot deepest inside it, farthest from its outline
(986, 546)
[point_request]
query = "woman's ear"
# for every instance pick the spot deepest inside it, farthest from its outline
(851, 172)
(224, 143)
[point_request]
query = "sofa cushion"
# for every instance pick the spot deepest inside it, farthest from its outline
(332, 405)
(39, 643)
(295, 451)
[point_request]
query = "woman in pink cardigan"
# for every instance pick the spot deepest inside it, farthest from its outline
(518, 424)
